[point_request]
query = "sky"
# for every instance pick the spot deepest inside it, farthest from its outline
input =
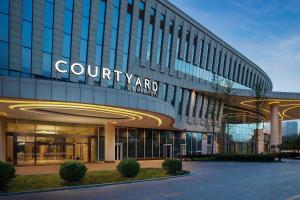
(265, 31)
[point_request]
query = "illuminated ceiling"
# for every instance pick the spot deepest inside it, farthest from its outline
(82, 113)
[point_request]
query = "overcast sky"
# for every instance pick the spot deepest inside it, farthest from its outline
(265, 31)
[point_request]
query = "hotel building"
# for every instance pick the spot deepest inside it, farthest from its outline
(104, 80)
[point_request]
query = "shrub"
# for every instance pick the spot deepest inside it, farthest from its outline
(7, 173)
(72, 171)
(129, 167)
(172, 165)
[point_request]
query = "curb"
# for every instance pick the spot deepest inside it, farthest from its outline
(94, 185)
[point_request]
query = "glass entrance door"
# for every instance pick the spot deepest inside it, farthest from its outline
(118, 151)
(168, 150)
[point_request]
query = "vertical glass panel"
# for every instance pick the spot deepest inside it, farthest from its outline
(86, 8)
(48, 22)
(69, 4)
(66, 45)
(26, 34)
(132, 133)
(155, 143)
(163, 138)
(46, 64)
(83, 50)
(148, 145)
(140, 142)
(3, 55)
(4, 27)
(27, 10)
(4, 6)
(47, 40)
(68, 22)
(85, 28)
(26, 60)
(123, 140)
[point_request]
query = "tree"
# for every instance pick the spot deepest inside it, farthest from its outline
(211, 124)
(260, 97)
(227, 92)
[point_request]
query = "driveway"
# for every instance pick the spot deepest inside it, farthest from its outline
(211, 180)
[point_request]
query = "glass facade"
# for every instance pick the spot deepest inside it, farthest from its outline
(150, 34)
(126, 40)
(26, 37)
(151, 143)
(114, 39)
(139, 35)
(238, 138)
(160, 39)
(48, 37)
(4, 36)
(169, 45)
(38, 142)
(99, 40)
(67, 37)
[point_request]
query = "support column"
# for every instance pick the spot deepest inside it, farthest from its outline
(204, 143)
(109, 143)
(280, 131)
(2, 140)
(274, 128)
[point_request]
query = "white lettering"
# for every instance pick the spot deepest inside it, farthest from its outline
(138, 82)
(57, 66)
(118, 74)
(81, 70)
(147, 84)
(105, 73)
(128, 78)
(154, 86)
(95, 71)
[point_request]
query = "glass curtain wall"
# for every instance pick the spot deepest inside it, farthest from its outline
(38, 143)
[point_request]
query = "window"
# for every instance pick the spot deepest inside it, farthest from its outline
(100, 33)
(26, 33)
(84, 37)
(201, 106)
(150, 33)
(201, 52)
(178, 48)
(48, 34)
(213, 60)
(180, 97)
(140, 30)
(229, 68)
(196, 97)
(187, 109)
(114, 39)
(207, 56)
(4, 27)
(169, 47)
(4, 56)
(219, 63)
(126, 41)
(194, 49)
(162, 91)
(224, 65)
(160, 38)
(26, 37)
(207, 107)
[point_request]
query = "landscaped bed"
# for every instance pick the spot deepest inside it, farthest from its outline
(50, 181)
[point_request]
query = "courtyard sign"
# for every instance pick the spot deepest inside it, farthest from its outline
(134, 83)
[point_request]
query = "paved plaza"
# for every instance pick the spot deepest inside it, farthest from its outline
(210, 180)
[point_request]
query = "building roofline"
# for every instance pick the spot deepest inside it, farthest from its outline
(197, 24)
